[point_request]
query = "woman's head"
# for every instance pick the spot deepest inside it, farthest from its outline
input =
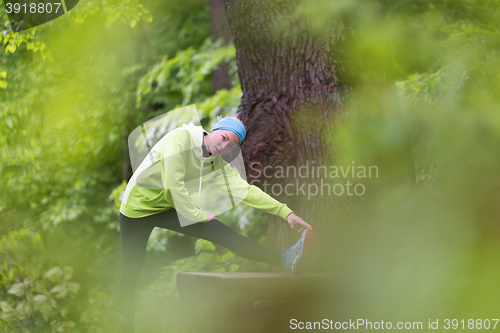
(227, 133)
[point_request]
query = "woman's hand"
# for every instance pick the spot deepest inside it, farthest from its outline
(210, 216)
(294, 219)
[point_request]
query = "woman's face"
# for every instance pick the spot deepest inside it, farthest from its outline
(221, 141)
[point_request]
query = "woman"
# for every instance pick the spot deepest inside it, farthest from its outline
(162, 193)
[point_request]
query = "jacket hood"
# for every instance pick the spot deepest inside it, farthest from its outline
(196, 133)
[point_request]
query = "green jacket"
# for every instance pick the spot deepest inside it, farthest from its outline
(174, 174)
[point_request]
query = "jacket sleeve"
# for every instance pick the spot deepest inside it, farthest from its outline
(249, 194)
(173, 173)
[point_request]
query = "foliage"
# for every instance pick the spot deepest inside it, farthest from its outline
(224, 102)
(433, 243)
(72, 89)
(101, 316)
(33, 296)
(12, 40)
(206, 260)
(70, 93)
(185, 75)
(421, 88)
(129, 11)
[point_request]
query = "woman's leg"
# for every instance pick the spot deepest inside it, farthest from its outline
(134, 235)
(219, 233)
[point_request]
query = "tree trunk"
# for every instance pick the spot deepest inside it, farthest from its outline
(141, 40)
(292, 97)
(295, 83)
(220, 28)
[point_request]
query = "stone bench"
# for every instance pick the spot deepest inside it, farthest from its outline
(226, 300)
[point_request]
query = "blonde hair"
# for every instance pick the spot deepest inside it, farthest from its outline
(220, 117)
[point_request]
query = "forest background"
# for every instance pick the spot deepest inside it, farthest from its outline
(73, 89)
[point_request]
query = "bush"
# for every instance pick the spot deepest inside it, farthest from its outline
(33, 296)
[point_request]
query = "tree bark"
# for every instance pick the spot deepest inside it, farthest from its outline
(141, 40)
(296, 83)
(220, 29)
(293, 92)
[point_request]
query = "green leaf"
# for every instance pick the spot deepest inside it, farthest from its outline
(204, 257)
(7, 317)
(233, 268)
(3, 84)
(45, 309)
(10, 48)
(6, 307)
(17, 289)
(20, 310)
(68, 272)
(215, 259)
(146, 17)
(28, 308)
(40, 287)
(73, 287)
(39, 299)
(51, 302)
(34, 273)
(204, 245)
(3, 74)
(60, 290)
(54, 274)
(227, 256)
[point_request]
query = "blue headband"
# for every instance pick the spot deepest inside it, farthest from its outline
(231, 125)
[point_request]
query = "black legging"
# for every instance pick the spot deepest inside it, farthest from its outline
(134, 234)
